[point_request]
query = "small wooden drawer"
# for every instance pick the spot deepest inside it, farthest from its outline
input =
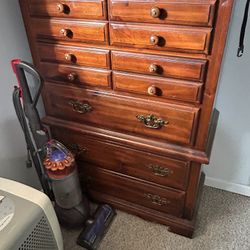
(85, 9)
(157, 87)
(76, 76)
(136, 116)
(175, 38)
(189, 12)
(166, 200)
(157, 169)
(174, 67)
(74, 55)
(75, 31)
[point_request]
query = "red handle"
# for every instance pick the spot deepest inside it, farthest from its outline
(15, 62)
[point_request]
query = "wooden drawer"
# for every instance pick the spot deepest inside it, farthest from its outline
(76, 76)
(76, 31)
(85, 9)
(174, 67)
(157, 87)
(161, 199)
(164, 12)
(166, 122)
(177, 38)
(74, 55)
(160, 170)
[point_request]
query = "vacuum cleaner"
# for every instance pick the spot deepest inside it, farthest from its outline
(55, 164)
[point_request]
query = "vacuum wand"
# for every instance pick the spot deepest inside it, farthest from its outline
(26, 110)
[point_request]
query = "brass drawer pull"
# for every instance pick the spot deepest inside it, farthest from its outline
(153, 68)
(160, 171)
(154, 40)
(80, 107)
(69, 57)
(60, 8)
(66, 32)
(152, 90)
(155, 12)
(151, 121)
(156, 199)
(72, 77)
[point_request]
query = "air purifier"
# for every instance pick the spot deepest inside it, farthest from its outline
(27, 219)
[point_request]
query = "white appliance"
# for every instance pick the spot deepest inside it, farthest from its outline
(27, 219)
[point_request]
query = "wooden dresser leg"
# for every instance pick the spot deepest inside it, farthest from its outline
(192, 191)
(187, 232)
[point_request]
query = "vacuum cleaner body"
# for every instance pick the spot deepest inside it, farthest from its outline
(72, 208)
(54, 163)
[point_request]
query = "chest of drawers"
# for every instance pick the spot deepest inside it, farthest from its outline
(130, 86)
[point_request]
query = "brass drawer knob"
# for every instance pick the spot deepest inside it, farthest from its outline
(157, 199)
(80, 107)
(69, 57)
(159, 171)
(66, 32)
(151, 121)
(60, 8)
(154, 40)
(153, 68)
(155, 12)
(72, 77)
(152, 90)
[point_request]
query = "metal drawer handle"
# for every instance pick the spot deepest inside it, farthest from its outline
(151, 121)
(159, 171)
(69, 57)
(155, 12)
(72, 77)
(80, 107)
(154, 40)
(66, 32)
(60, 8)
(152, 90)
(153, 68)
(157, 199)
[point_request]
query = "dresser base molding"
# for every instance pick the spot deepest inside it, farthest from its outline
(180, 226)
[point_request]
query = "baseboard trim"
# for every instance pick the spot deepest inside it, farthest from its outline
(228, 186)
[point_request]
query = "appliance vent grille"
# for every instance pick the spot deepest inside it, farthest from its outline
(40, 238)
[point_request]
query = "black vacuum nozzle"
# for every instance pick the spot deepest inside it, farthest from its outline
(96, 228)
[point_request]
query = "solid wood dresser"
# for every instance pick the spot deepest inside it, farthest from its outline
(130, 85)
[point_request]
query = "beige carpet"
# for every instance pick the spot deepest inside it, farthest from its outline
(223, 224)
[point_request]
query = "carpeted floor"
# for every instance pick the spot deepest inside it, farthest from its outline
(223, 224)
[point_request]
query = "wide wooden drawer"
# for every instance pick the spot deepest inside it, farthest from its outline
(161, 199)
(164, 12)
(76, 76)
(74, 55)
(78, 31)
(177, 38)
(157, 169)
(174, 67)
(85, 9)
(157, 87)
(136, 116)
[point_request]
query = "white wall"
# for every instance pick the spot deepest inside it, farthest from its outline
(13, 44)
(230, 162)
